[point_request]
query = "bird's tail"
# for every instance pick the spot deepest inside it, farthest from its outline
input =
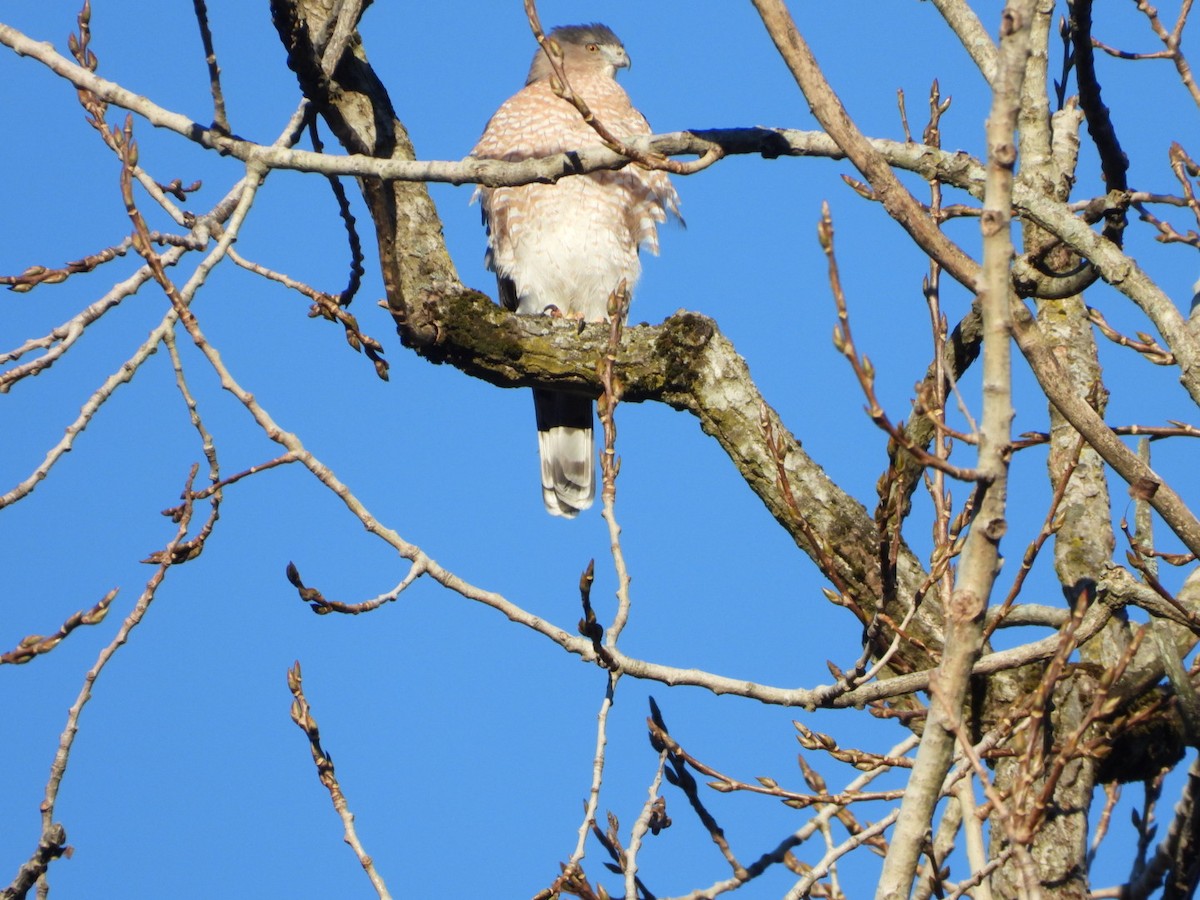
(564, 423)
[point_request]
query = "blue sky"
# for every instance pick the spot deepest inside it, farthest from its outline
(464, 742)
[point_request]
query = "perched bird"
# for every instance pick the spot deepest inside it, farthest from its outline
(563, 248)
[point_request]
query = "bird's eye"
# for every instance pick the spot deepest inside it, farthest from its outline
(592, 48)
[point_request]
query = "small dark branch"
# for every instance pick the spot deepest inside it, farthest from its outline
(908, 139)
(1146, 828)
(327, 307)
(610, 464)
(1143, 559)
(1141, 550)
(1113, 161)
(253, 470)
(1176, 862)
(52, 845)
(610, 840)
(1167, 233)
(589, 625)
(1172, 41)
(355, 243)
(35, 275)
(220, 122)
(860, 759)
(1185, 169)
(843, 341)
(937, 213)
(177, 190)
(1060, 86)
(817, 784)
(1145, 343)
(321, 606)
(36, 644)
(562, 87)
(302, 716)
(678, 775)
(1128, 54)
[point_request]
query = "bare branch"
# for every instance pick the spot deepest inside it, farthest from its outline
(302, 716)
(36, 644)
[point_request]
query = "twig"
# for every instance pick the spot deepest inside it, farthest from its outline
(598, 759)
(828, 109)
(35, 275)
(253, 470)
(680, 777)
(652, 818)
(610, 463)
(67, 739)
(302, 716)
(220, 121)
(322, 606)
(1050, 526)
(1171, 39)
(36, 644)
(1145, 345)
(328, 307)
(343, 202)
(51, 846)
(1112, 794)
(843, 341)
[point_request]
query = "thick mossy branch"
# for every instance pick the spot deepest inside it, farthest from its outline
(684, 362)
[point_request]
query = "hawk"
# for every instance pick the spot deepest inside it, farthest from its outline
(563, 248)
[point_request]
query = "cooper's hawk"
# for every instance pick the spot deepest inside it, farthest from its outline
(564, 248)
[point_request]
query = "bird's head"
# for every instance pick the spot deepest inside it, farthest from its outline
(586, 49)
